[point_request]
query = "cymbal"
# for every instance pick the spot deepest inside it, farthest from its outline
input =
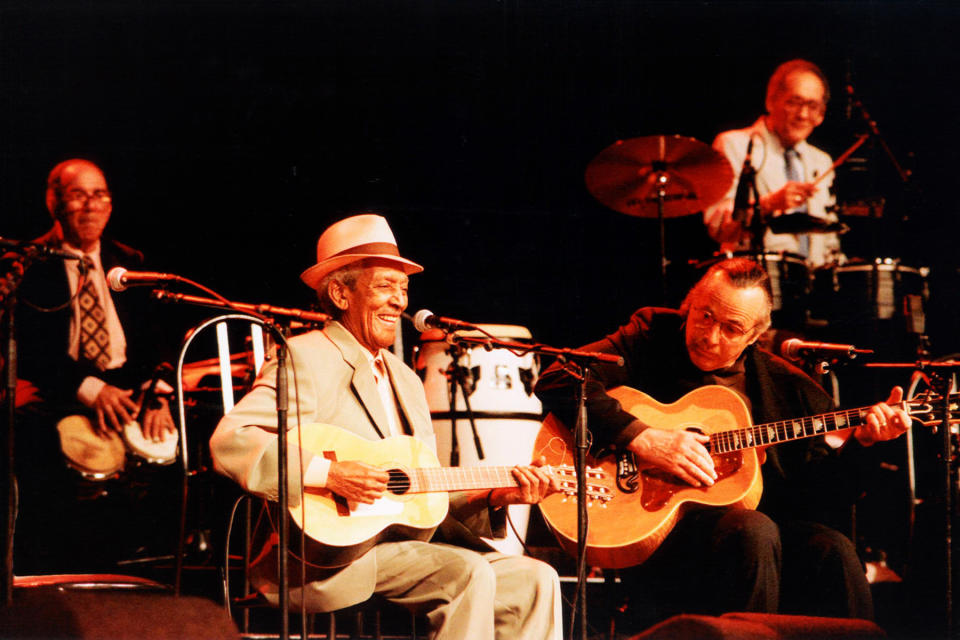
(804, 223)
(626, 176)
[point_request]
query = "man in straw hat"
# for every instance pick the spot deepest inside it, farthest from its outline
(347, 377)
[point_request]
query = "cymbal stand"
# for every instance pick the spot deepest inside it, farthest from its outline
(660, 169)
(457, 376)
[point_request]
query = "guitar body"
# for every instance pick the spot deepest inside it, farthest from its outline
(343, 532)
(626, 529)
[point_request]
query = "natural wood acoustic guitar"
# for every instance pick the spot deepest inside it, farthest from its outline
(638, 506)
(414, 505)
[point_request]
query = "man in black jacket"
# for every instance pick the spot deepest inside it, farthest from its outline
(779, 558)
(84, 352)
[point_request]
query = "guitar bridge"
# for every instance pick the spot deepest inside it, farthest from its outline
(628, 479)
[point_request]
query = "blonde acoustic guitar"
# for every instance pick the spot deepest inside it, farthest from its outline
(639, 506)
(414, 505)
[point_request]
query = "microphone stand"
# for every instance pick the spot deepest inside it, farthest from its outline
(578, 362)
(266, 316)
(9, 284)
(904, 174)
(747, 201)
(940, 375)
(457, 377)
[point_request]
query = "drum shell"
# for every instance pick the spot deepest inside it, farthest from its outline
(506, 412)
(860, 295)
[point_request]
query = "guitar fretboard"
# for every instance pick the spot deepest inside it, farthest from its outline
(784, 430)
(430, 479)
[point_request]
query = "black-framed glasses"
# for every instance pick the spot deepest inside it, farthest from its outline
(100, 197)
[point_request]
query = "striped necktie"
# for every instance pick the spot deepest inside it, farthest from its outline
(94, 337)
(791, 161)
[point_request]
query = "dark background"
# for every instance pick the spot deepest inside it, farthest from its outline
(232, 133)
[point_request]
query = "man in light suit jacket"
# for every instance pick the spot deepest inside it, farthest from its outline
(347, 377)
(793, 176)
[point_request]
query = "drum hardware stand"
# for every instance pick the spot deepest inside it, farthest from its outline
(904, 174)
(660, 168)
(457, 376)
(267, 316)
(577, 363)
(9, 283)
(941, 376)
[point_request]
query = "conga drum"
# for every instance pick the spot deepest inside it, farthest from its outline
(499, 386)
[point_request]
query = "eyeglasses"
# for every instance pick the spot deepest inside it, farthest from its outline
(80, 197)
(704, 319)
(813, 106)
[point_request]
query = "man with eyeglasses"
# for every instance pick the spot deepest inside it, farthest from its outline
(781, 557)
(88, 353)
(787, 166)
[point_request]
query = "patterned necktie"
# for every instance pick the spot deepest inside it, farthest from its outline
(791, 161)
(94, 337)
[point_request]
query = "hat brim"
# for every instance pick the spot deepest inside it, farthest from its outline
(312, 276)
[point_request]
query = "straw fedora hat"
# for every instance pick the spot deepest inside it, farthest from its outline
(352, 239)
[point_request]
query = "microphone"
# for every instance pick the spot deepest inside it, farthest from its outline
(425, 319)
(38, 248)
(741, 200)
(797, 349)
(119, 278)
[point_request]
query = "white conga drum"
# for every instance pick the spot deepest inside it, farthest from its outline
(507, 415)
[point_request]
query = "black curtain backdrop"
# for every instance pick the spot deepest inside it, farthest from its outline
(233, 132)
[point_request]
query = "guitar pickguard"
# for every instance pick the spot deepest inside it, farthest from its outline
(659, 485)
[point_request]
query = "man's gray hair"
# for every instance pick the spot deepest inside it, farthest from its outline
(346, 276)
(742, 273)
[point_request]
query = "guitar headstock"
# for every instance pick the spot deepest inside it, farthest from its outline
(927, 408)
(598, 482)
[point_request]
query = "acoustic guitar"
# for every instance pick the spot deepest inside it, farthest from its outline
(415, 503)
(639, 505)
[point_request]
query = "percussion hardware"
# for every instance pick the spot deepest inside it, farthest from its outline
(458, 376)
(804, 223)
(506, 414)
(659, 176)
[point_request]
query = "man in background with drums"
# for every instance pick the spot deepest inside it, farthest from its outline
(780, 557)
(792, 176)
(83, 353)
(348, 378)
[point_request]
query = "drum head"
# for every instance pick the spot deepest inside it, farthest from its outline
(163, 451)
(89, 453)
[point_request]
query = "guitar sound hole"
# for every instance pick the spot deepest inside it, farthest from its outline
(399, 482)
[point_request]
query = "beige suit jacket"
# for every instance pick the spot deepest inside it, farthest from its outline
(331, 382)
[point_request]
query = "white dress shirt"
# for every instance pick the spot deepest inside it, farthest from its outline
(768, 160)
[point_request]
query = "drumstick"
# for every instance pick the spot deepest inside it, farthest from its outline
(846, 154)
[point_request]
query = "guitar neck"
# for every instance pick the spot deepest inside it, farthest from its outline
(432, 479)
(784, 430)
